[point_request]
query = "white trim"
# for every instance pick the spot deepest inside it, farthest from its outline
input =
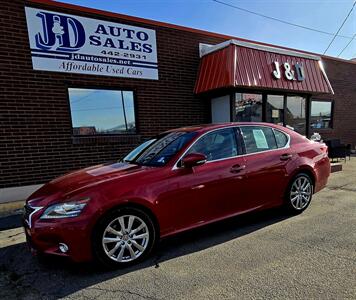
(18, 193)
(205, 49)
(35, 209)
(325, 76)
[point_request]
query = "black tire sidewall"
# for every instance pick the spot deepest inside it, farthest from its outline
(289, 206)
(98, 251)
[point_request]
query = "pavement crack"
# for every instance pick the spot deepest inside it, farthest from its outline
(317, 248)
(348, 189)
(16, 234)
(342, 187)
(125, 292)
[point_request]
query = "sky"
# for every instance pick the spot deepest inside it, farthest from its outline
(88, 108)
(325, 15)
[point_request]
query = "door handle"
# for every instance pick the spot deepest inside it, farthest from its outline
(237, 168)
(285, 156)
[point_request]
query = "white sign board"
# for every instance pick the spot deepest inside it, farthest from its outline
(260, 139)
(71, 44)
(275, 113)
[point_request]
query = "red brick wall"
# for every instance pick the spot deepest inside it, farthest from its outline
(35, 128)
(36, 141)
(342, 76)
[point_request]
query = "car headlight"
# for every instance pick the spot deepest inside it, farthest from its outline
(65, 210)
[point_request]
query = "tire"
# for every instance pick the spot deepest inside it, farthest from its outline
(299, 193)
(114, 247)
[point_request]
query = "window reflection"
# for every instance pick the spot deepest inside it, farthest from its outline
(320, 115)
(129, 110)
(275, 109)
(96, 111)
(216, 145)
(248, 107)
(295, 113)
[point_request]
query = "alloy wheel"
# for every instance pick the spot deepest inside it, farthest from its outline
(125, 238)
(301, 192)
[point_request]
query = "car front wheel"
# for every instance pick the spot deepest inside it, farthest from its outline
(299, 193)
(124, 237)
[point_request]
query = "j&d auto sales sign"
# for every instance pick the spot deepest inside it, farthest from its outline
(66, 43)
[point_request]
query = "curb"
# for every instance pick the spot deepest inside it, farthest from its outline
(11, 208)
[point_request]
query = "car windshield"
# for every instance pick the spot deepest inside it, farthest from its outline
(139, 149)
(159, 151)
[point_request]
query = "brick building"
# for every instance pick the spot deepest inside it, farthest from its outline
(74, 95)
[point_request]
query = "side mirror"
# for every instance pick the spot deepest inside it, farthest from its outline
(193, 159)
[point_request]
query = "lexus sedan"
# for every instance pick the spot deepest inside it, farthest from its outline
(181, 179)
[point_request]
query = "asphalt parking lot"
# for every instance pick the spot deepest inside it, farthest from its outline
(261, 255)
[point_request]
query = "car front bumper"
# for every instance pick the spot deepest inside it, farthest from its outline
(45, 236)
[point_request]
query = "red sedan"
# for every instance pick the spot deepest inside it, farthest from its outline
(181, 179)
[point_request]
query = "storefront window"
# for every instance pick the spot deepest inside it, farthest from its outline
(275, 109)
(320, 114)
(248, 107)
(295, 113)
(97, 111)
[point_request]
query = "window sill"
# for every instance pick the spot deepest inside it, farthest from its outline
(106, 139)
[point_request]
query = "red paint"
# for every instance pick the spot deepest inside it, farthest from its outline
(179, 199)
(238, 66)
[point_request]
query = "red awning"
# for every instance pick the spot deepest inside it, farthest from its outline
(247, 65)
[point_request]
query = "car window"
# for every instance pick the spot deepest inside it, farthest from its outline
(216, 145)
(281, 138)
(258, 138)
(164, 148)
(139, 149)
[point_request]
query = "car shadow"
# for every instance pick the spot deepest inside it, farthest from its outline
(54, 277)
(10, 222)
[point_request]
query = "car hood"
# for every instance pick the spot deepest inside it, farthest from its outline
(72, 183)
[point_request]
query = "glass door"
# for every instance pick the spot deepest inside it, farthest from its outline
(295, 113)
(220, 109)
(275, 109)
(248, 107)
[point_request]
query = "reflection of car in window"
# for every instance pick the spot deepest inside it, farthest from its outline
(216, 145)
(157, 152)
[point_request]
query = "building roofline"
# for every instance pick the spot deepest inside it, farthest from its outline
(206, 49)
(171, 26)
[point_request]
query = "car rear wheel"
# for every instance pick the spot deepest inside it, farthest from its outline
(124, 237)
(299, 193)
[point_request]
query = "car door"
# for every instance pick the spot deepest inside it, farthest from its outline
(209, 191)
(266, 165)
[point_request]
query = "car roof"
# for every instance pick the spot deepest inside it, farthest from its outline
(207, 127)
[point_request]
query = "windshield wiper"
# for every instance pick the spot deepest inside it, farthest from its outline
(134, 162)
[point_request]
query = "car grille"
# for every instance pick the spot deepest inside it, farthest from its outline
(27, 211)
